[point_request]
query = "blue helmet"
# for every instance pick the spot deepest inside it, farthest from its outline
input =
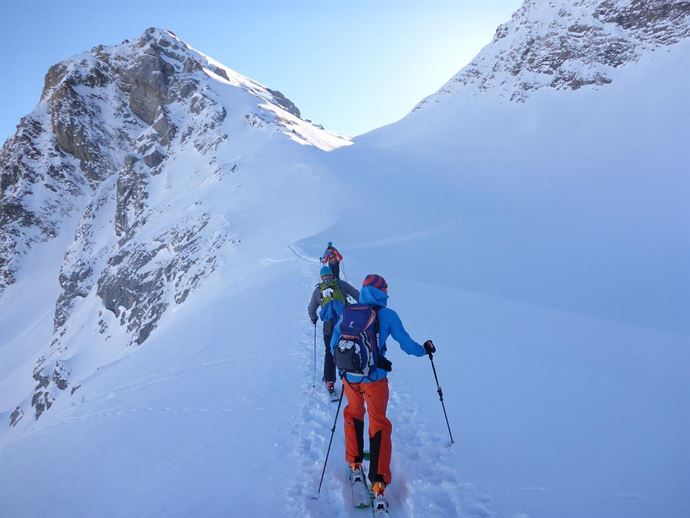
(326, 270)
(329, 245)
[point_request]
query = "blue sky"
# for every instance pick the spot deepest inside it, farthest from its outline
(352, 65)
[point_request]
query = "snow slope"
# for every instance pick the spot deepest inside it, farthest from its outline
(542, 245)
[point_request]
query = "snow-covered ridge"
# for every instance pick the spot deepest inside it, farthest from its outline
(567, 44)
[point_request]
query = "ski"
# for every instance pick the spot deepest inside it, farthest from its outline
(379, 506)
(361, 498)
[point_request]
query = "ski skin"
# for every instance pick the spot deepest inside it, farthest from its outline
(365, 467)
(376, 513)
(361, 502)
(369, 502)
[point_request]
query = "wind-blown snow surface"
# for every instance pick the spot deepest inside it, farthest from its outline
(543, 246)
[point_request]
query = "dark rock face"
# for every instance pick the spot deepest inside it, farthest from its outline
(138, 294)
(148, 81)
(27, 167)
(662, 22)
(286, 103)
(16, 416)
(43, 398)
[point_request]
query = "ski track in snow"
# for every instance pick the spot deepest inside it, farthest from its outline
(424, 481)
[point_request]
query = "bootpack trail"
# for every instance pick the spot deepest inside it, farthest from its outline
(424, 480)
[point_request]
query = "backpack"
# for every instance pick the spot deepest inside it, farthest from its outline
(330, 290)
(357, 351)
(331, 256)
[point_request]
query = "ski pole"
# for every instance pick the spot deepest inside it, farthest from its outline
(313, 383)
(330, 442)
(440, 396)
(342, 265)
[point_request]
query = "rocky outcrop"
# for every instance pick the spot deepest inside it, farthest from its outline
(16, 416)
(659, 22)
(142, 279)
(566, 45)
(38, 185)
(55, 378)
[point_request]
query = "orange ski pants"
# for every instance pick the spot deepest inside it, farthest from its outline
(375, 396)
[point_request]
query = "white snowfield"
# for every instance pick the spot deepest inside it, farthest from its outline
(544, 246)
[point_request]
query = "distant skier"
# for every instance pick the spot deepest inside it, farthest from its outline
(368, 325)
(332, 258)
(331, 295)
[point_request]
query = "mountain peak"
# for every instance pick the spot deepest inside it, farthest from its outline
(162, 35)
(137, 151)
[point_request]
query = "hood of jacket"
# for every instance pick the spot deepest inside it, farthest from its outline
(373, 296)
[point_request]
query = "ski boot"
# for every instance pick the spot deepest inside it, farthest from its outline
(379, 500)
(330, 387)
(356, 474)
(360, 494)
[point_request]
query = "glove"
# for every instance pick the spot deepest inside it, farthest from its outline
(314, 320)
(429, 347)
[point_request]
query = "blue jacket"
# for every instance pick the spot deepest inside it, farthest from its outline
(389, 324)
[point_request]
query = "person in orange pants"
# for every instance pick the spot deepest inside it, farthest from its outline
(370, 390)
(375, 396)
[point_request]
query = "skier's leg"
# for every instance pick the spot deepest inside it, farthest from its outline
(335, 267)
(380, 428)
(354, 423)
(328, 361)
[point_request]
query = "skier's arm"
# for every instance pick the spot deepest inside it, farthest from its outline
(402, 337)
(313, 304)
(350, 290)
(337, 254)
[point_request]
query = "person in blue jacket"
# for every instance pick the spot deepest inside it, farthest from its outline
(372, 389)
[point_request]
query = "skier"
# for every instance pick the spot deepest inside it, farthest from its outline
(331, 294)
(371, 386)
(331, 257)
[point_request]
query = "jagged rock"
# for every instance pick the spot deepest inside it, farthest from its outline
(41, 402)
(565, 45)
(154, 158)
(40, 378)
(130, 195)
(286, 103)
(148, 79)
(72, 283)
(60, 376)
(662, 21)
(78, 128)
(16, 416)
(134, 292)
